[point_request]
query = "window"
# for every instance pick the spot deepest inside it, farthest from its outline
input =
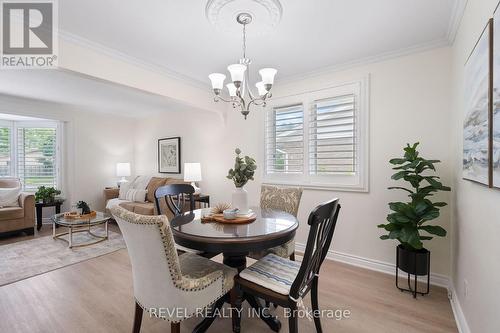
(319, 139)
(29, 150)
(285, 134)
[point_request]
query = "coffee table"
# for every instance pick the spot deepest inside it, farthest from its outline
(80, 225)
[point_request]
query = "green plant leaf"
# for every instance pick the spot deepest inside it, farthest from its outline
(399, 188)
(399, 175)
(439, 204)
(434, 230)
(384, 237)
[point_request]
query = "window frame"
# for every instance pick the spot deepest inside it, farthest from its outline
(14, 126)
(359, 182)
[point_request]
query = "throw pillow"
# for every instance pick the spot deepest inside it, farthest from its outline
(136, 195)
(9, 197)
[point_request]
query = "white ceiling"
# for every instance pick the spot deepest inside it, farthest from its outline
(70, 88)
(314, 34)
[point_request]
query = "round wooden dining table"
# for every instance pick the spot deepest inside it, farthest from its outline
(235, 241)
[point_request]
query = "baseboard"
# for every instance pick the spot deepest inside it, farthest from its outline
(375, 265)
(462, 325)
(439, 280)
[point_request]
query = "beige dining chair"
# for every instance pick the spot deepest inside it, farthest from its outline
(166, 285)
(286, 199)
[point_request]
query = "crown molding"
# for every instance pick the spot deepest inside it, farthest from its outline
(102, 49)
(455, 19)
(365, 61)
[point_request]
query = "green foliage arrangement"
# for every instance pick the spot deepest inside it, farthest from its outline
(84, 206)
(244, 169)
(46, 194)
(408, 219)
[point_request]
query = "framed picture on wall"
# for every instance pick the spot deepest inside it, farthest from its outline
(478, 102)
(495, 118)
(169, 155)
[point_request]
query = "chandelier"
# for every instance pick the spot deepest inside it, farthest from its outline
(239, 87)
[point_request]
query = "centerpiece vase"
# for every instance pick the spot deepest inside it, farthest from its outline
(240, 200)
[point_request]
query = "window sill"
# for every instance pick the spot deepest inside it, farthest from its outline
(319, 187)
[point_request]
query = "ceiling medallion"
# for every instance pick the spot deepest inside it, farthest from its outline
(266, 14)
(241, 79)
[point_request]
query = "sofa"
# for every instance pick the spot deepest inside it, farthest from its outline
(20, 218)
(142, 208)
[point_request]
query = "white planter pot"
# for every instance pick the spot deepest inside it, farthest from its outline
(240, 200)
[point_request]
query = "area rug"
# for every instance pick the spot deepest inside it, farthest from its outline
(21, 260)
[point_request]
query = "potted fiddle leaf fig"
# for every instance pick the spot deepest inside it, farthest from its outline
(408, 221)
(243, 171)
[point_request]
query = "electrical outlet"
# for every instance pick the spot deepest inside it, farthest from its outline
(466, 289)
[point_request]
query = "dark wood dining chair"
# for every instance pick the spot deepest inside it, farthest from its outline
(175, 198)
(285, 282)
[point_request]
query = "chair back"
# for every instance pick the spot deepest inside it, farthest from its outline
(322, 221)
(151, 248)
(175, 198)
(280, 198)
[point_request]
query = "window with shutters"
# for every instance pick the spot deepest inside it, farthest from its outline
(319, 139)
(29, 150)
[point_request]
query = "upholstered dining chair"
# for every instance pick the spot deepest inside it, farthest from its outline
(285, 199)
(166, 285)
(285, 282)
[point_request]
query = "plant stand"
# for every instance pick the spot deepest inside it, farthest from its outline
(414, 271)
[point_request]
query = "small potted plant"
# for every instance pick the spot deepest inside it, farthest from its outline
(244, 169)
(409, 219)
(46, 194)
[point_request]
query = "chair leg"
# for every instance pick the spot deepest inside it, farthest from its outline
(293, 323)
(292, 256)
(137, 318)
(236, 300)
(315, 305)
(175, 327)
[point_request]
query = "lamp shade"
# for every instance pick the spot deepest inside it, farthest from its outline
(267, 75)
(192, 172)
(237, 72)
(217, 80)
(122, 169)
(261, 88)
(232, 89)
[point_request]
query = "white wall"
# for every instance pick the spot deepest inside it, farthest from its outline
(93, 144)
(476, 212)
(409, 102)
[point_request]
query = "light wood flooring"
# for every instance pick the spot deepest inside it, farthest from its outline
(97, 296)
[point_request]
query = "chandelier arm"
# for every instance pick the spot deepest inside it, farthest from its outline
(218, 98)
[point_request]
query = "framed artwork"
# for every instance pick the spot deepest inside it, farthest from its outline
(478, 102)
(495, 118)
(169, 155)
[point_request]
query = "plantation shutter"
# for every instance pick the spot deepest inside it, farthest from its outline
(332, 136)
(285, 140)
(36, 157)
(5, 152)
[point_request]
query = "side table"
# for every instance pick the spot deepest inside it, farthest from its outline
(202, 199)
(39, 210)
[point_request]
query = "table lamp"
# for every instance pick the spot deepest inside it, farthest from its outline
(122, 170)
(192, 173)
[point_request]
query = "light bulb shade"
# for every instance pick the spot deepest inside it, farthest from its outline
(122, 169)
(237, 72)
(192, 172)
(261, 88)
(232, 89)
(267, 75)
(217, 80)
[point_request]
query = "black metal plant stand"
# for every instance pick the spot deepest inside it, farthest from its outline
(414, 290)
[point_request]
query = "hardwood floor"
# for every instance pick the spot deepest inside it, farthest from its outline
(96, 296)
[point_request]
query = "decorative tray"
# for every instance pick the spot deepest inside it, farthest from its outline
(76, 216)
(220, 219)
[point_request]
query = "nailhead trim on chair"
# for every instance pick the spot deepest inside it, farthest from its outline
(161, 222)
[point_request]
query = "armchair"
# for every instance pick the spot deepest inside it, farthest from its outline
(21, 218)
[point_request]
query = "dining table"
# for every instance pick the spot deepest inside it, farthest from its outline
(235, 241)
